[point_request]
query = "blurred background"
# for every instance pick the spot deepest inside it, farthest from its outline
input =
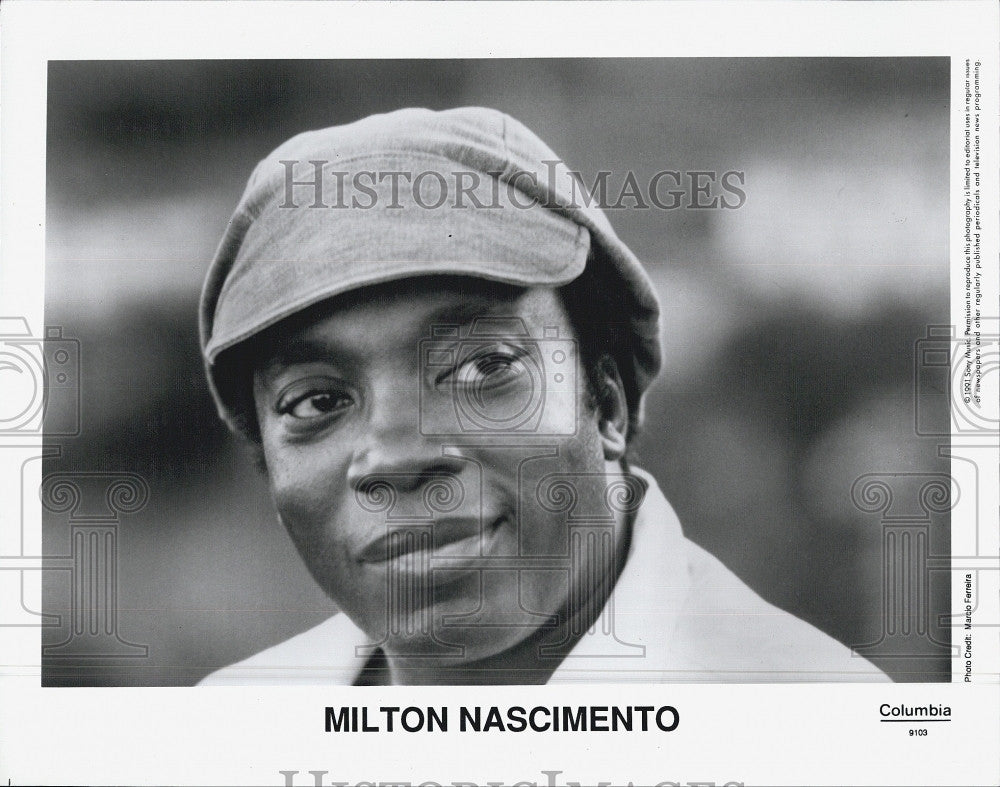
(790, 323)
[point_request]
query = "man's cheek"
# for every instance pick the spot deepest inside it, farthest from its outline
(326, 535)
(553, 490)
(309, 505)
(305, 478)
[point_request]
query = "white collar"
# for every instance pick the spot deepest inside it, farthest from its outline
(636, 625)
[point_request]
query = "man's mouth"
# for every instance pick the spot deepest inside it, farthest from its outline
(444, 538)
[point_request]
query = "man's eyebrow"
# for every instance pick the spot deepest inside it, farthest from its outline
(299, 348)
(304, 349)
(467, 311)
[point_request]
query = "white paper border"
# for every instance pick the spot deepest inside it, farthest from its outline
(806, 734)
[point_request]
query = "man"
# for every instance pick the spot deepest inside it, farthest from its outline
(439, 349)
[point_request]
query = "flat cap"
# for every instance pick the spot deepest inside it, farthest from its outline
(468, 191)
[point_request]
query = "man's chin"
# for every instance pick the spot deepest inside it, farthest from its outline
(465, 643)
(461, 616)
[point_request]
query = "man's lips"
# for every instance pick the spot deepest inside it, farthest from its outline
(449, 537)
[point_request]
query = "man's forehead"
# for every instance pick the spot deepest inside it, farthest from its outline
(400, 312)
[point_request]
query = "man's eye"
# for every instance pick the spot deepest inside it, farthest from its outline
(305, 402)
(491, 367)
(317, 405)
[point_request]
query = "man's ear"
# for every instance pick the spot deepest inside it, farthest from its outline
(612, 409)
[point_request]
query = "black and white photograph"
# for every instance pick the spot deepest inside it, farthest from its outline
(499, 372)
(539, 394)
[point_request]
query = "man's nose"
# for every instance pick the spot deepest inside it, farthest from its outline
(393, 448)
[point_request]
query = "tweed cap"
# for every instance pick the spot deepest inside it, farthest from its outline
(468, 191)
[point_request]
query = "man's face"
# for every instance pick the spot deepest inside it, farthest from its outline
(437, 534)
